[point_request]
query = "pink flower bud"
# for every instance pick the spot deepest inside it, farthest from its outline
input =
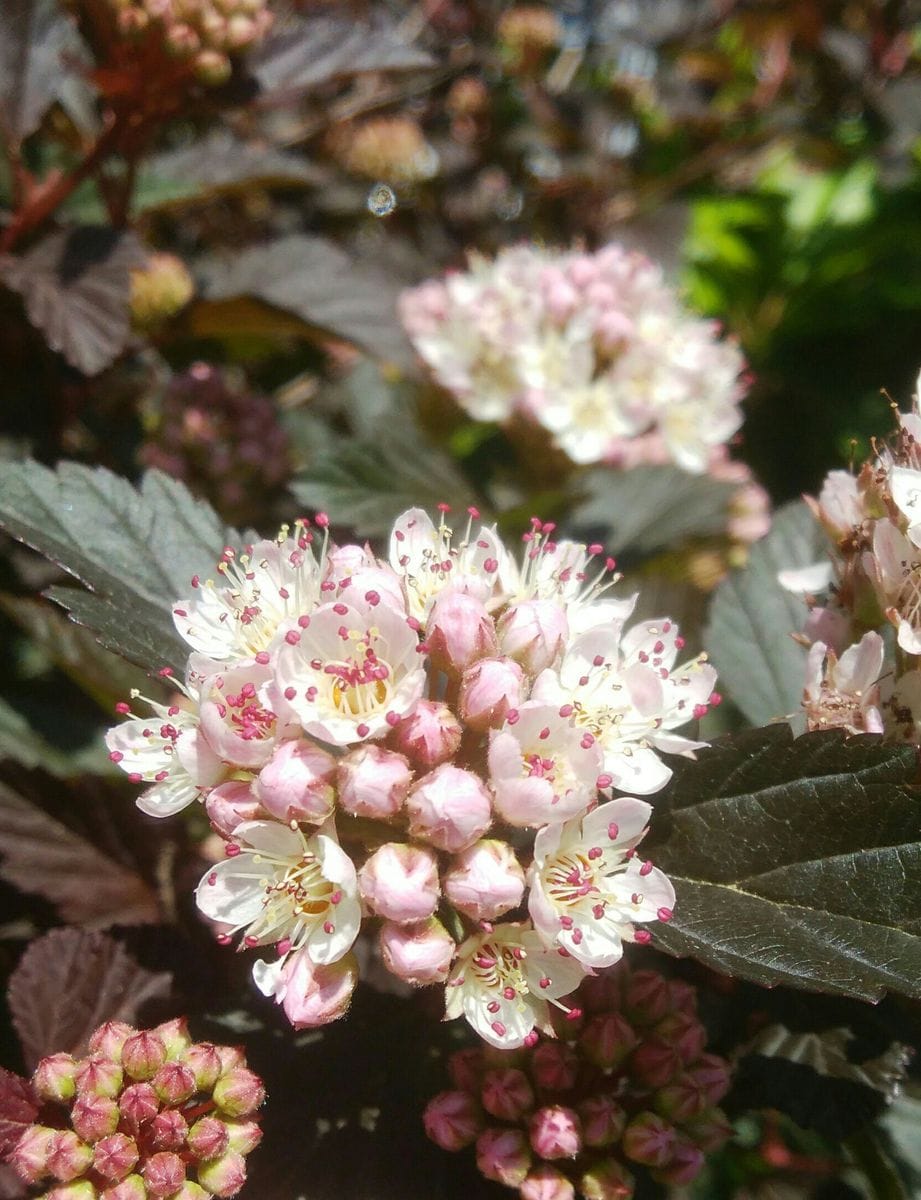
(554, 1067)
(143, 1054)
(204, 1062)
(174, 1035)
(168, 1130)
(602, 1119)
(685, 1164)
(556, 1132)
(646, 997)
(503, 1155)
(373, 782)
(601, 992)
(649, 1139)
(459, 632)
(712, 1075)
(400, 882)
(296, 784)
(115, 1156)
(77, 1189)
(485, 881)
(418, 954)
(94, 1117)
(138, 1104)
(191, 1191)
(239, 1092)
(208, 1138)
(655, 1063)
(230, 804)
(55, 1078)
(607, 1039)
(164, 1173)
(489, 689)
(533, 633)
(68, 1157)
(99, 1076)
(682, 997)
(31, 1154)
(108, 1039)
(546, 1183)
(243, 1134)
(430, 735)
(130, 1188)
(223, 1176)
(449, 807)
(231, 1056)
(452, 1120)
(316, 995)
(607, 1180)
(710, 1130)
(507, 1093)
(466, 1068)
(685, 1033)
(680, 1100)
(174, 1083)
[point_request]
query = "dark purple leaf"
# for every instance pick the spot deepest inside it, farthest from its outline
(18, 1108)
(76, 288)
(39, 47)
(70, 981)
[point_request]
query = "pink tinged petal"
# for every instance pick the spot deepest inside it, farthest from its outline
(269, 978)
(674, 743)
(806, 581)
(627, 818)
(325, 947)
(168, 798)
(335, 864)
(637, 770)
(593, 943)
(271, 837)
(227, 896)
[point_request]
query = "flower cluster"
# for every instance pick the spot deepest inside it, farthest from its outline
(629, 1087)
(145, 1114)
(856, 678)
(429, 741)
(596, 348)
(203, 33)
(212, 431)
(392, 149)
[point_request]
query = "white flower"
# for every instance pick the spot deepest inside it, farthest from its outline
(428, 560)
(905, 486)
(350, 671)
(845, 691)
(894, 567)
(504, 981)
(279, 886)
(169, 750)
(238, 617)
(587, 887)
(625, 691)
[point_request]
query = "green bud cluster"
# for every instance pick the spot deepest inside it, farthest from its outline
(144, 1115)
(628, 1087)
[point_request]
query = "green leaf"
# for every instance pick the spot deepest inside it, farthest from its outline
(135, 550)
(648, 508)
(317, 281)
(752, 618)
(797, 861)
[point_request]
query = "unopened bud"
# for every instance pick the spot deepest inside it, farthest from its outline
(205, 1064)
(175, 1037)
(602, 992)
(230, 804)
(489, 690)
(533, 633)
(211, 67)
(129, 1188)
(191, 1191)
(77, 1189)
(556, 1132)
(683, 1031)
(710, 1130)
(607, 1180)
(649, 1139)
(430, 735)
(55, 1078)
(138, 1104)
(602, 1119)
(108, 1039)
(223, 1176)
(546, 1183)
(607, 1039)
(243, 1134)
(485, 880)
(680, 1100)
(450, 808)
(503, 1155)
(655, 1063)
(459, 632)
(466, 1068)
(646, 999)
(373, 782)
(68, 1156)
(31, 1154)
(164, 1173)
(239, 1092)
(98, 1076)
(296, 784)
(507, 1093)
(555, 1067)
(419, 954)
(168, 1130)
(174, 1083)
(400, 882)
(208, 1138)
(143, 1054)
(231, 1056)
(315, 995)
(685, 1164)
(115, 1156)
(94, 1117)
(452, 1120)
(712, 1075)
(682, 997)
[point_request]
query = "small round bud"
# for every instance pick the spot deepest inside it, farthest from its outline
(400, 882)
(466, 1068)
(607, 1180)
(452, 1120)
(450, 808)
(533, 633)
(649, 1140)
(655, 1063)
(212, 67)
(143, 1054)
(161, 288)
(115, 1156)
(168, 1130)
(503, 1155)
(231, 1056)
(606, 1040)
(489, 690)
(710, 1130)
(419, 954)
(683, 1031)
(230, 804)
(546, 1183)
(430, 735)
(94, 1117)
(485, 880)
(555, 1067)
(31, 1154)
(55, 1078)
(646, 998)
(223, 1176)
(556, 1132)
(244, 1134)
(138, 1104)
(602, 1119)
(98, 1076)
(175, 1036)
(239, 1092)
(174, 1083)
(129, 1188)
(316, 995)
(76, 1189)
(208, 1138)
(712, 1075)
(373, 782)
(163, 1173)
(685, 1165)
(680, 1100)
(296, 784)
(506, 1093)
(205, 1064)
(108, 1039)
(459, 632)
(68, 1157)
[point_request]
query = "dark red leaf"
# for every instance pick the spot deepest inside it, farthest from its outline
(18, 1108)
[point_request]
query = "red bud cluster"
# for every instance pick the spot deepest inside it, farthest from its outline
(145, 1115)
(628, 1087)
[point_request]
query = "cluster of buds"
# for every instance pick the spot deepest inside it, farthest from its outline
(627, 1088)
(871, 585)
(159, 290)
(430, 742)
(145, 1114)
(595, 348)
(392, 149)
(222, 439)
(202, 35)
